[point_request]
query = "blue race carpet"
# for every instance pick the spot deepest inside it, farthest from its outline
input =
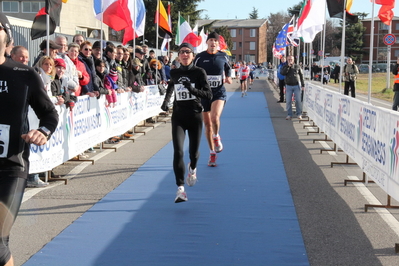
(239, 213)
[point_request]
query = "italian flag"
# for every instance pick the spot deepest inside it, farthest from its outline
(184, 33)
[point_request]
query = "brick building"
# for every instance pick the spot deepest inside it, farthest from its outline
(248, 37)
(380, 49)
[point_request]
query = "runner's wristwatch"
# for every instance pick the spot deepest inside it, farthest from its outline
(46, 132)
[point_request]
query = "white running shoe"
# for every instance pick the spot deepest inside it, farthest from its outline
(212, 160)
(218, 144)
(191, 177)
(181, 196)
(288, 118)
(37, 182)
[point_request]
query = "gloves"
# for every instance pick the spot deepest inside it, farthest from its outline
(164, 106)
(187, 85)
(70, 104)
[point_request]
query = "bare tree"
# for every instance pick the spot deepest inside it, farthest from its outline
(276, 22)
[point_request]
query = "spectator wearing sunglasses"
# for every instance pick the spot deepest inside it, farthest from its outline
(86, 58)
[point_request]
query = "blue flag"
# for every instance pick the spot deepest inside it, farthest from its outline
(281, 40)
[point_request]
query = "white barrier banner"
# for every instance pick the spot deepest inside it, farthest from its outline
(92, 122)
(369, 135)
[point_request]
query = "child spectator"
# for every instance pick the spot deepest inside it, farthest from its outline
(110, 85)
(100, 76)
(59, 86)
(326, 77)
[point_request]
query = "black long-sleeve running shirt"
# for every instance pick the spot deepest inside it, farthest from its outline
(21, 86)
(185, 100)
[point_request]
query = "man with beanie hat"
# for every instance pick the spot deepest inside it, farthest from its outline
(218, 70)
(20, 86)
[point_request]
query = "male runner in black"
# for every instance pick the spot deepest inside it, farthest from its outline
(20, 86)
(218, 70)
(189, 83)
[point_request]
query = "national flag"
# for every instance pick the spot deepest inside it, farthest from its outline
(386, 13)
(111, 13)
(311, 19)
(136, 10)
(203, 46)
(291, 40)
(167, 38)
(128, 15)
(336, 10)
(195, 29)
(281, 39)
(185, 34)
(277, 52)
(39, 25)
(53, 9)
(223, 45)
(161, 18)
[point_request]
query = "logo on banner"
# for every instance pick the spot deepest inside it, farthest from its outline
(394, 150)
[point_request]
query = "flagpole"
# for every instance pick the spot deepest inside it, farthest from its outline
(156, 41)
(101, 34)
(48, 34)
(170, 24)
(371, 51)
(134, 25)
(389, 60)
(323, 47)
(342, 47)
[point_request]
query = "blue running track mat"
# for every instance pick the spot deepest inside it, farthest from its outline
(239, 213)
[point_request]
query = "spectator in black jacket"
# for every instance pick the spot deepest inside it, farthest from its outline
(293, 83)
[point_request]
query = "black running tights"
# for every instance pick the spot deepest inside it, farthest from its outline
(11, 192)
(192, 122)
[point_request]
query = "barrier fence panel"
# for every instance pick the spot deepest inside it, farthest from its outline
(91, 122)
(369, 135)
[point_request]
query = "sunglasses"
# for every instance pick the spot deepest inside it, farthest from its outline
(88, 49)
(185, 52)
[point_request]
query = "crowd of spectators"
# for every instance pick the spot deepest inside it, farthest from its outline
(79, 67)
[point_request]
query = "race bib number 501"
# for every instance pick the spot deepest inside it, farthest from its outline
(182, 93)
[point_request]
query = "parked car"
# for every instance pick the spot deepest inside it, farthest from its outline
(363, 68)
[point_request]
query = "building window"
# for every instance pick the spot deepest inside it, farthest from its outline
(239, 31)
(252, 33)
(252, 45)
(82, 31)
(396, 26)
(233, 33)
(32, 7)
(383, 26)
(396, 53)
(234, 46)
(240, 44)
(10, 7)
(239, 57)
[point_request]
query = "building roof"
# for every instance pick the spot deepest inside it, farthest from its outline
(378, 19)
(233, 23)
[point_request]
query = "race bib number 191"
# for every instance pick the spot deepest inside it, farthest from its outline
(182, 93)
(4, 140)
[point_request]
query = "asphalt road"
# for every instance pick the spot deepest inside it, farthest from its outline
(335, 227)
